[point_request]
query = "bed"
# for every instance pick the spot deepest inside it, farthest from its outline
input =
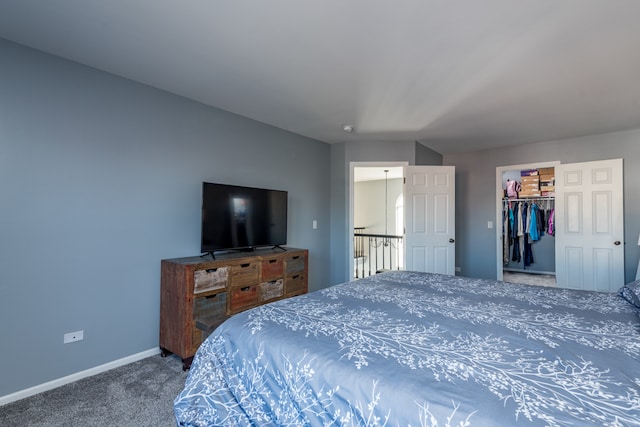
(416, 349)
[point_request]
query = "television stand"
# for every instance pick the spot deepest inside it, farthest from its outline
(197, 295)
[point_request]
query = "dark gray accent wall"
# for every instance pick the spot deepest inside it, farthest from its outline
(425, 156)
(476, 187)
(338, 231)
(100, 179)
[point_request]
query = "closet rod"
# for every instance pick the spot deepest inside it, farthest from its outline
(529, 198)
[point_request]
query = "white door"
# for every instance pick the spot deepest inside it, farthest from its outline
(589, 222)
(429, 196)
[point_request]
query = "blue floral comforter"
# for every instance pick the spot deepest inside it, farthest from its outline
(416, 349)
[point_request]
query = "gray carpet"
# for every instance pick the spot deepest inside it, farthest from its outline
(138, 394)
(529, 278)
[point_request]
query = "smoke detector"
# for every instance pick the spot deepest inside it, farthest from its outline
(347, 128)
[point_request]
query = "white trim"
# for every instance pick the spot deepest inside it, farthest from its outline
(77, 376)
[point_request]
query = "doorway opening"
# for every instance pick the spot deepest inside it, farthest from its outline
(525, 208)
(376, 217)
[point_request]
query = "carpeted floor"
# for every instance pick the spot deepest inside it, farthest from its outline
(138, 394)
(529, 278)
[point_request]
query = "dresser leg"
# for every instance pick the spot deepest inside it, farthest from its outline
(186, 363)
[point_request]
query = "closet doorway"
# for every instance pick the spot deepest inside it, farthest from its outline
(530, 257)
(588, 223)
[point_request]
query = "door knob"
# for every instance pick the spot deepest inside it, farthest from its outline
(617, 242)
(451, 240)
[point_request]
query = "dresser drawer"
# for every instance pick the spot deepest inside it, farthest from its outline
(271, 290)
(209, 305)
(295, 263)
(208, 313)
(295, 284)
(272, 268)
(245, 274)
(241, 298)
(210, 279)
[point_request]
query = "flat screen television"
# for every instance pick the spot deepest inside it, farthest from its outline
(242, 218)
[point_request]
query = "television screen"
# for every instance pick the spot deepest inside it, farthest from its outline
(235, 217)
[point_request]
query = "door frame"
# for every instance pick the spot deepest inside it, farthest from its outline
(352, 166)
(499, 196)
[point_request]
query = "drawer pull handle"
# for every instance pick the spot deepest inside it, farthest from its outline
(245, 289)
(211, 296)
(211, 270)
(245, 265)
(295, 277)
(271, 261)
(295, 257)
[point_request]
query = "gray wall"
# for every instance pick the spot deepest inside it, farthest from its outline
(100, 179)
(476, 182)
(426, 156)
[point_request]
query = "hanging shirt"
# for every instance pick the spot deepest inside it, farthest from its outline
(511, 219)
(540, 214)
(520, 221)
(533, 223)
(516, 257)
(527, 255)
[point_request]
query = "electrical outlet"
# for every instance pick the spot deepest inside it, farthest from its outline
(73, 337)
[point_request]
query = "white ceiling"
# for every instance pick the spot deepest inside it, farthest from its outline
(455, 75)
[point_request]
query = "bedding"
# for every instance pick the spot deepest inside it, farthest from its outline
(416, 349)
(631, 292)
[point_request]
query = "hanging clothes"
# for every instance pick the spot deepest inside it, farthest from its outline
(527, 256)
(521, 220)
(511, 219)
(533, 223)
(524, 222)
(515, 233)
(524, 214)
(506, 235)
(541, 221)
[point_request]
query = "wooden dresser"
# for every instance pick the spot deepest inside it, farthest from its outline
(199, 293)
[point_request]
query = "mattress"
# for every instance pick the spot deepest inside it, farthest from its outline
(417, 349)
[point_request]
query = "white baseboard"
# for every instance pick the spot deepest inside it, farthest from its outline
(77, 376)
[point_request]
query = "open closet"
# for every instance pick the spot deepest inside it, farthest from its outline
(528, 225)
(585, 202)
